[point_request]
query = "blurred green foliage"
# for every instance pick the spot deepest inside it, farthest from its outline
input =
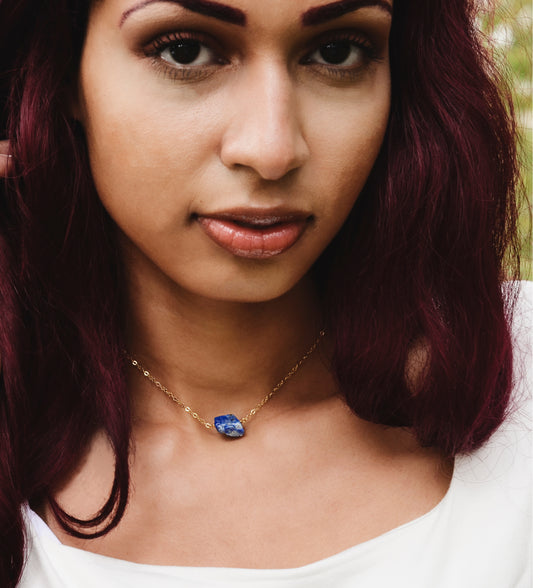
(509, 29)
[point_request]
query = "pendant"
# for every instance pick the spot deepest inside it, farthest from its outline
(229, 425)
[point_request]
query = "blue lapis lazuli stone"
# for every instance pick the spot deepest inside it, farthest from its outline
(229, 425)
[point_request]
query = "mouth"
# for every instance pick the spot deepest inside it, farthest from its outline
(254, 234)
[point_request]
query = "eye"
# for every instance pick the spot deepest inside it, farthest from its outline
(342, 52)
(187, 52)
(343, 55)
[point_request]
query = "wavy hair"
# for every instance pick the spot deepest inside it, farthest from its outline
(419, 264)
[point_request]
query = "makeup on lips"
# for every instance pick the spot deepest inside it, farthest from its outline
(252, 233)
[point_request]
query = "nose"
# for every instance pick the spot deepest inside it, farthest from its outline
(264, 131)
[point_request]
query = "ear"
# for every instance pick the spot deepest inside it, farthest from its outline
(5, 166)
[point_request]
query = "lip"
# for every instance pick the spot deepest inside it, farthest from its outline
(253, 233)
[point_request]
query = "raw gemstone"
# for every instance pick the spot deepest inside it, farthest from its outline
(229, 425)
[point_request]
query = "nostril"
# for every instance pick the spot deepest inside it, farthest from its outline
(271, 150)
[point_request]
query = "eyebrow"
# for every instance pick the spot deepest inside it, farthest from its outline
(321, 14)
(205, 7)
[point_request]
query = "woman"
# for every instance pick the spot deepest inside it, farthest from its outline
(297, 213)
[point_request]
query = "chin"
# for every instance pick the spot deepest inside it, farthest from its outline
(249, 287)
(252, 292)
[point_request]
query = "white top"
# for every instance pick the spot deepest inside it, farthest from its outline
(478, 536)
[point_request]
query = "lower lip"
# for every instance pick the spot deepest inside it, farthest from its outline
(254, 243)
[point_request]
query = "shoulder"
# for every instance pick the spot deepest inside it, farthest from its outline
(522, 320)
(523, 311)
(504, 464)
(505, 460)
(489, 507)
(522, 336)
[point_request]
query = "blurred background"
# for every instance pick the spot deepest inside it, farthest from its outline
(510, 33)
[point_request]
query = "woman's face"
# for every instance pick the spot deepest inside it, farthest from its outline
(229, 141)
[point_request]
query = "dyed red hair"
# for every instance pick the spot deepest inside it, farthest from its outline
(419, 263)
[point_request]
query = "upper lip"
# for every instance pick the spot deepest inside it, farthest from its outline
(258, 216)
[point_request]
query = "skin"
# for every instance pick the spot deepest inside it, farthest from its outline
(265, 130)
(5, 163)
(262, 124)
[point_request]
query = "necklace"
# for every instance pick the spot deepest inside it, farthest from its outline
(226, 424)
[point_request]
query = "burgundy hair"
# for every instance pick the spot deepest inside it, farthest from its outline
(420, 261)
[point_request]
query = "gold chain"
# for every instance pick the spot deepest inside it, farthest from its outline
(135, 363)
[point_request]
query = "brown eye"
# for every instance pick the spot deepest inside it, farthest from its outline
(342, 52)
(345, 52)
(335, 52)
(187, 52)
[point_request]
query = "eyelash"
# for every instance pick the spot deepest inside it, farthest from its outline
(369, 51)
(197, 72)
(160, 44)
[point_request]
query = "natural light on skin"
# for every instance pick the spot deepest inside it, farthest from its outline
(201, 117)
(229, 144)
(229, 154)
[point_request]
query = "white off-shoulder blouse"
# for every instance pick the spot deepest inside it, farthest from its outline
(478, 536)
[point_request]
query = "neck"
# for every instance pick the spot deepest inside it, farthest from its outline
(217, 357)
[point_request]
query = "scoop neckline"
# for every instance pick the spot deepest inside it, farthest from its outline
(41, 530)
(462, 464)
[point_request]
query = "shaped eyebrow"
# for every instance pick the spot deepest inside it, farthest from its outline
(205, 7)
(321, 14)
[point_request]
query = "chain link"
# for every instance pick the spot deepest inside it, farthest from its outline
(135, 363)
(284, 380)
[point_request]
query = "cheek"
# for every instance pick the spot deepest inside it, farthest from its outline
(154, 149)
(142, 149)
(348, 139)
